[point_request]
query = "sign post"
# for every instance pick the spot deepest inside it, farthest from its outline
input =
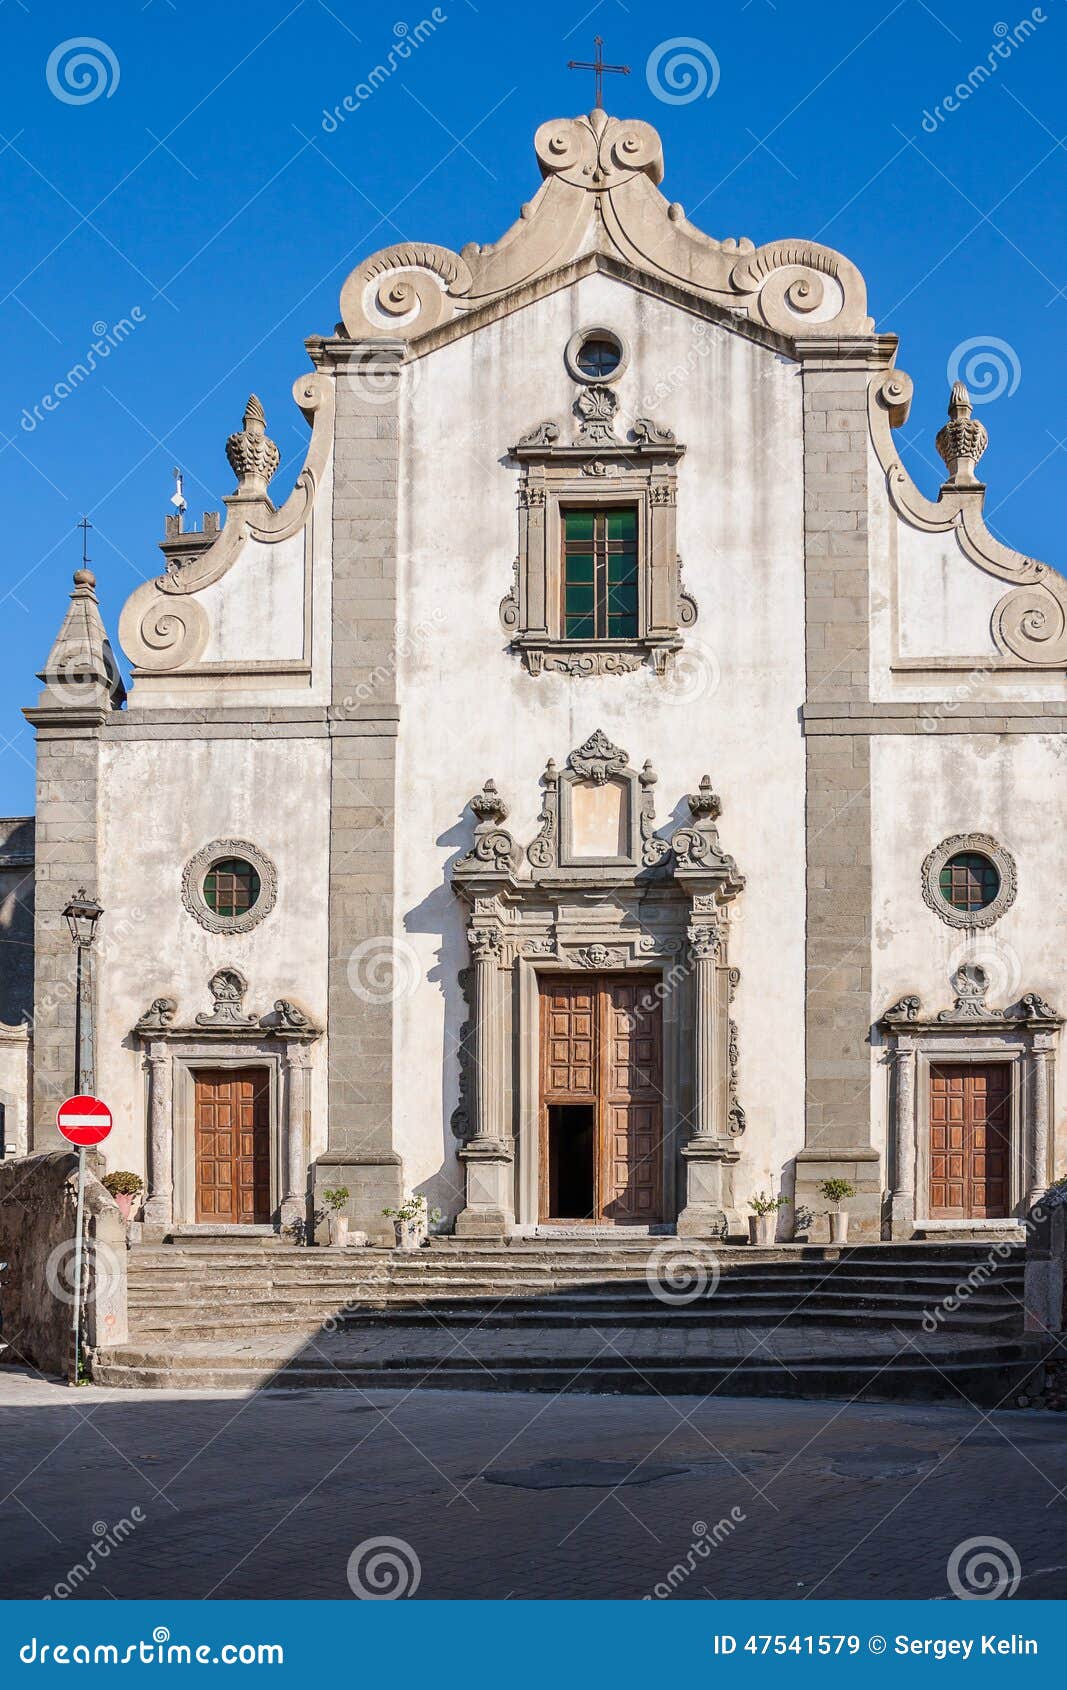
(82, 1121)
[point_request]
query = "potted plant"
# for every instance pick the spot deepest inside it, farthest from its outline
(125, 1188)
(837, 1191)
(761, 1223)
(412, 1221)
(334, 1199)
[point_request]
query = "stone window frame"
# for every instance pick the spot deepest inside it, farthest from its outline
(197, 869)
(595, 331)
(596, 470)
(981, 844)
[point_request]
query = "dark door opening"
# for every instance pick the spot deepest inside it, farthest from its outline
(571, 1157)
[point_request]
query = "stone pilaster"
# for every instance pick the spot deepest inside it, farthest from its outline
(1041, 1067)
(159, 1205)
(297, 1119)
(363, 950)
(838, 818)
(710, 1151)
(902, 1141)
(487, 1157)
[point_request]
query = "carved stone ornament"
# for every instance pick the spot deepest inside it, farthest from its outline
(598, 758)
(286, 1015)
(653, 848)
(227, 987)
(905, 1009)
(252, 456)
(595, 408)
(196, 869)
(543, 849)
(600, 200)
(705, 940)
(494, 848)
(600, 956)
(1036, 1008)
(970, 984)
(962, 440)
(983, 845)
(158, 1016)
(697, 848)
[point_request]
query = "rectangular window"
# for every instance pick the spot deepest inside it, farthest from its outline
(600, 574)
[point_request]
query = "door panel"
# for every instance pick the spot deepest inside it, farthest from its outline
(970, 1140)
(601, 1045)
(232, 1128)
(632, 1150)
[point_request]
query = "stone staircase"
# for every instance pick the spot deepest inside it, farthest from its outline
(624, 1313)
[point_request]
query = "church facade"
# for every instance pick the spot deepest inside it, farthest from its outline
(603, 790)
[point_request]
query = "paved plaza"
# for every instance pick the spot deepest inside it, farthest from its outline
(124, 1494)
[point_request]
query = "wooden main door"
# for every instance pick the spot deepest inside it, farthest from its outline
(970, 1140)
(233, 1146)
(601, 1099)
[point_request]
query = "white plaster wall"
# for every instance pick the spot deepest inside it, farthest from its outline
(162, 800)
(469, 710)
(925, 789)
(257, 609)
(14, 1089)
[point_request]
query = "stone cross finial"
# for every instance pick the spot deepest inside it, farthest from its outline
(962, 440)
(253, 456)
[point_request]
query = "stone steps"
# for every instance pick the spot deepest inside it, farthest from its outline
(211, 1313)
(993, 1378)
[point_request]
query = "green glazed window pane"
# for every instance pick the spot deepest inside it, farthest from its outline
(622, 525)
(580, 601)
(622, 567)
(623, 627)
(578, 525)
(580, 567)
(580, 628)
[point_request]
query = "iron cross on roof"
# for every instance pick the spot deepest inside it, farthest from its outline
(598, 67)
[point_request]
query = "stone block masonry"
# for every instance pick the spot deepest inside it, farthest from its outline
(838, 802)
(362, 963)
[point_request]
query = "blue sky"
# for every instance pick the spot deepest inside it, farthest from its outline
(200, 198)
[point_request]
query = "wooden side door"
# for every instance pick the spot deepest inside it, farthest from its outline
(631, 1119)
(970, 1140)
(232, 1128)
(569, 1061)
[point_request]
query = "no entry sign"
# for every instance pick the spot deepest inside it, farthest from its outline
(84, 1120)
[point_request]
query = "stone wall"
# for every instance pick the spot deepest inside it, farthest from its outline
(38, 1208)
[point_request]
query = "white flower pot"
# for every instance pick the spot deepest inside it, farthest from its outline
(339, 1231)
(838, 1226)
(408, 1234)
(761, 1228)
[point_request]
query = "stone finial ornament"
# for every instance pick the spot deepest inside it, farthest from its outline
(962, 440)
(494, 850)
(253, 455)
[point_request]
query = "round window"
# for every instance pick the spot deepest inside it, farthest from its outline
(231, 887)
(969, 881)
(595, 354)
(598, 357)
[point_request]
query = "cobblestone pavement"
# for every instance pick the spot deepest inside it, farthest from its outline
(195, 1494)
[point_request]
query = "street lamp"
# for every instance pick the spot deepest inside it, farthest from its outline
(82, 914)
